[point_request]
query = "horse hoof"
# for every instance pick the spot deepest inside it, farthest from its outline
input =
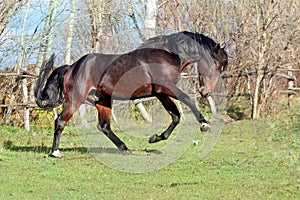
(153, 139)
(126, 152)
(204, 127)
(56, 154)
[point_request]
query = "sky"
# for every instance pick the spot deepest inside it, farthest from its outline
(11, 49)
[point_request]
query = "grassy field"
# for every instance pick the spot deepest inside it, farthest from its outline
(252, 160)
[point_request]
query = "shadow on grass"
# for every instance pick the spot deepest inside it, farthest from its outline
(39, 149)
(99, 150)
(47, 150)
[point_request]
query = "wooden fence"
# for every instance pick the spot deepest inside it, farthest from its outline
(291, 90)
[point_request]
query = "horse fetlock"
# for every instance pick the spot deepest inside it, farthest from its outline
(122, 147)
(154, 138)
(124, 150)
(204, 127)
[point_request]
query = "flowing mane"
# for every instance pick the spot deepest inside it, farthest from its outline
(190, 43)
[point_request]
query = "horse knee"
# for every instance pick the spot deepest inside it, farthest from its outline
(100, 128)
(59, 124)
(103, 128)
(62, 120)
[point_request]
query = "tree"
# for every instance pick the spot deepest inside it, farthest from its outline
(8, 11)
(270, 20)
(70, 33)
(24, 80)
(47, 35)
(96, 11)
(150, 18)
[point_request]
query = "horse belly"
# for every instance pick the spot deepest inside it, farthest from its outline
(136, 92)
(131, 85)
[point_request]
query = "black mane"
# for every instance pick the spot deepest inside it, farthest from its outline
(187, 45)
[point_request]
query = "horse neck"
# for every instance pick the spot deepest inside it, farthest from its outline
(189, 54)
(186, 62)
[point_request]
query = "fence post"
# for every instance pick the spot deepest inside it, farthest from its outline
(26, 109)
(290, 86)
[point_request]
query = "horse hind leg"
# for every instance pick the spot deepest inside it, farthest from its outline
(60, 123)
(104, 113)
(170, 106)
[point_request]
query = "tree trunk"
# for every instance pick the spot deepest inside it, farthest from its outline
(255, 108)
(150, 19)
(96, 10)
(24, 81)
(262, 44)
(47, 36)
(70, 33)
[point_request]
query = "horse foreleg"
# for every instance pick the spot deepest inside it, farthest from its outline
(174, 92)
(104, 113)
(189, 102)
(170, 106)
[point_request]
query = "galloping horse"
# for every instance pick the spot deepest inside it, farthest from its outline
(151, 70)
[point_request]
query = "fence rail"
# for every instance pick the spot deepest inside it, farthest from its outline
(28, 105)
(23, 73)
(286, 73)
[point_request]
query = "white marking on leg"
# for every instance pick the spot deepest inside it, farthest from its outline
(57, 154)
(205, 125)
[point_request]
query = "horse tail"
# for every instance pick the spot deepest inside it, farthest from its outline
(48, 91)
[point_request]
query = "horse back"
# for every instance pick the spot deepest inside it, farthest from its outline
(133, 74)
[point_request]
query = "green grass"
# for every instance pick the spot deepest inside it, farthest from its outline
(252, 160)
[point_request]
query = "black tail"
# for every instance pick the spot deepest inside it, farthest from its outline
(50, 95)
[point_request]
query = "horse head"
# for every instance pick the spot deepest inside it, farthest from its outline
(210, 67)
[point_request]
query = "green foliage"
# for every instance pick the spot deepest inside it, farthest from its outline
(44, 119)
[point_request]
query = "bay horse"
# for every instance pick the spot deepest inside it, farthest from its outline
(144, 72)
